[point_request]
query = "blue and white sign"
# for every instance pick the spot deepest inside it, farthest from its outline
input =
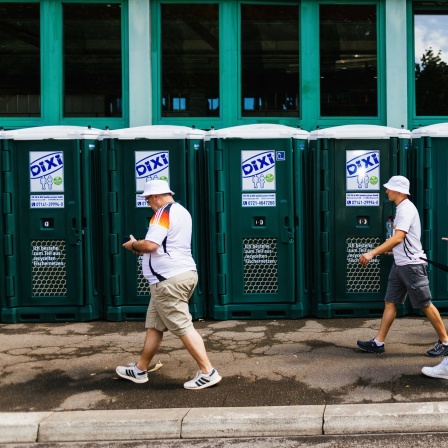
(362, 199)
(258, 170)
(281, 156)
(362, 170)
(140, 202)
(150, 165)
(258, 200)
(47, 201)
(46, 171)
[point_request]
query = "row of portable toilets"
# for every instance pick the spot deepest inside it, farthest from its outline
(280, 217)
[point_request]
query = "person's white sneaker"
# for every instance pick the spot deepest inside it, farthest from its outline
(202, 380)
(438, 371)
(129, 373)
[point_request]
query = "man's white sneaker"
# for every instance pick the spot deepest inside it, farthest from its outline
(202, 380)
(130, 373)
(438, 371)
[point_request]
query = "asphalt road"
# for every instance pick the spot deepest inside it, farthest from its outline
(56, 367)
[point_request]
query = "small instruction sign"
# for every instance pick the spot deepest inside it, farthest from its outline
(356, 248)
(140, 202)
(362, 199)
(258, 200)
(280, 155)
(47, 256)
(47, 201)
(259, 254)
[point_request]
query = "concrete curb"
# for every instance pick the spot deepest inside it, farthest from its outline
(97, 426)
(275, 421)
(272, 421)
(393, 417)
(20, 426)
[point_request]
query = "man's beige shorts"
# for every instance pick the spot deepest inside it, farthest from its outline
(168, 307)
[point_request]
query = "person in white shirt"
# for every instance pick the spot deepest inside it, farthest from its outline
(408, 276)
(441, 369)
(169, 267)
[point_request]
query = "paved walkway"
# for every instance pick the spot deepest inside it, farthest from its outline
(280, 378)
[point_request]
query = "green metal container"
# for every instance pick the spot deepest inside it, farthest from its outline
(129, 158)
(430, 189)
(255, 232)
(51, 238)
(349, 165)
(4, 209)
(303, 219)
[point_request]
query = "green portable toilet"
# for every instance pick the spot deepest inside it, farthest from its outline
(349, 165)
(130, 157)
(3, 162)
(254, 221)
(429, 188)
(51, 237)
(303, 223)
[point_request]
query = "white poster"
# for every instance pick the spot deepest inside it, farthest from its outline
(362, 199)
(46, 171)
(150, 165)
(47, 201)
(258, 200)
(258, 170)
(140, 202)
(363, 170)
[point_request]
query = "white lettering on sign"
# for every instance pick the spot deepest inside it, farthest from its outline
(355, 250)
(259, 254)
(47, 256)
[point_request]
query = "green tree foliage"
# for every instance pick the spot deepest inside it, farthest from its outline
(431, 85)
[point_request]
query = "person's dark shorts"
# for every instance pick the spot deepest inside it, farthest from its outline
(411, 279)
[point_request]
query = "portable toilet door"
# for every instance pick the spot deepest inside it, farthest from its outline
(53, 252)
(430, 161)
(130, 157)
(4, 166)
(350, 164)
(252, 223)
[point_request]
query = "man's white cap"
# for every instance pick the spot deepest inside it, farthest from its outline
(157, 186)
(398, 183)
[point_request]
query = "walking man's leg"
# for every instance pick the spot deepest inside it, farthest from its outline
(206, 376)
(194, 343)
(137, 373)
(389, 314)
(153, 340)
(432, 313)
(376, 345)
(441, 347)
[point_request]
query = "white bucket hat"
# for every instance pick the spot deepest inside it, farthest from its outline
(157, 186)
(398, 183)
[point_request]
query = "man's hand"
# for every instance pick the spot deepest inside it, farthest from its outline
(129, 244)
(365, 258)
